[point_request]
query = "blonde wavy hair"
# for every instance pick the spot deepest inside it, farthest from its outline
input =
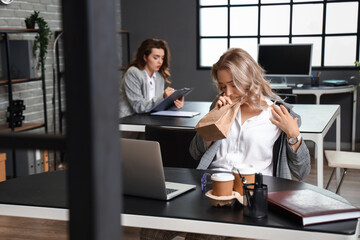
(247, 75)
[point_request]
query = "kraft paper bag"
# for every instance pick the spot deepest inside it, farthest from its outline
(216, 124)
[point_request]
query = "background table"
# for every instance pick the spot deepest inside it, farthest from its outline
(321, 90)
(316, 122)
(45, 196)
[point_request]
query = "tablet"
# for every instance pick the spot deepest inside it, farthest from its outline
(169, 101)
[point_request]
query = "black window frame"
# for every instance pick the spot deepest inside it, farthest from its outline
(323, 35)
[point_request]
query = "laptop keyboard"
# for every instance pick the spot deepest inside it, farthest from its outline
(170, 190)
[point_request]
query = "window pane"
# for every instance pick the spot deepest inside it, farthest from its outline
(274, 40)
(342, 17)
(244, 2)
(275, 1)
(340, 51)
(275, 20)
(213, 21)
(274, 23)
(316, 51)
(211, 50)
(308, 1)
(243, 21)
(307, 19)
(248, 44)
(212, 2)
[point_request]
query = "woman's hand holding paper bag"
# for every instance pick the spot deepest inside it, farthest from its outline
(216, 124)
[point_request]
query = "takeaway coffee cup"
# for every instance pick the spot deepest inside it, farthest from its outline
(222, 183)
(247, 171)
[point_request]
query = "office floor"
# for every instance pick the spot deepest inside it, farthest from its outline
(25, 228)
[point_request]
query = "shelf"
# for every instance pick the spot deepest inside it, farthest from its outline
(17, 30)
(9, 81)
(24, 127)
(20, 80)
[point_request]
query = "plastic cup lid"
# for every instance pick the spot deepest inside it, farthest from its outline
(244, 169)
(222, 177)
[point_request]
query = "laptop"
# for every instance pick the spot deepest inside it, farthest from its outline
(143, 173)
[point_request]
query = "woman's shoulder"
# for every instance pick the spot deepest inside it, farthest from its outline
(134, 73)
(134, 70)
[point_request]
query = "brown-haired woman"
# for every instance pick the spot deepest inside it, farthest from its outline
(144, 80)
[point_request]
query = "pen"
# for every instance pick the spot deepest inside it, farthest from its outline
(318, 75)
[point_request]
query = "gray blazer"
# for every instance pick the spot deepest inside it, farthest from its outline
(286, 161)
(134, 92)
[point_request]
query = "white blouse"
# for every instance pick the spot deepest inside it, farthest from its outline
(250, 143)
(151, 85)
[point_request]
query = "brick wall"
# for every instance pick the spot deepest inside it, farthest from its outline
(12, 16)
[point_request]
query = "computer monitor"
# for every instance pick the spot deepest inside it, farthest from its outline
(285, 60)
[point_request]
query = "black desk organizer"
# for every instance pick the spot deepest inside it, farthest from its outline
(15, 113)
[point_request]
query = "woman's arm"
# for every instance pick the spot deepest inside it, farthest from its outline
(198, 145)
(283, 120)
(299, 161)
(297, 156)
(135, 91)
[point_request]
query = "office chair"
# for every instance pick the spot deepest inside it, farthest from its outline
(341, 159)
(287, 95)
(174, 144)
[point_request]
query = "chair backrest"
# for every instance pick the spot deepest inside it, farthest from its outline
(286, 95)
(288, 98)
(174, 144)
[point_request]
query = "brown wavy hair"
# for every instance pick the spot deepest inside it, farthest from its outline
(247, 75)
(145, 49)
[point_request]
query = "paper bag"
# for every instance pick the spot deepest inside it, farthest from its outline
(216, 124)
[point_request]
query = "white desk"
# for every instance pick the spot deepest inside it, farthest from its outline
(319, 91)
(316, 122)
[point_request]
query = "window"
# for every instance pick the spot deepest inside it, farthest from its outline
(330, 25)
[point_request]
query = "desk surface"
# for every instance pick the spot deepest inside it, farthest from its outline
(189, 212)
(322, 88)
(309, 88)
(147, 119)
(314, 117)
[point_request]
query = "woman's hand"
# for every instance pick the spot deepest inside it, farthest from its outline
(222, 101)
(167, 92)
(179, 103)
(286, 123)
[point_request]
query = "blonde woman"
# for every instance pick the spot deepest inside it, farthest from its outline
(263, 134)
